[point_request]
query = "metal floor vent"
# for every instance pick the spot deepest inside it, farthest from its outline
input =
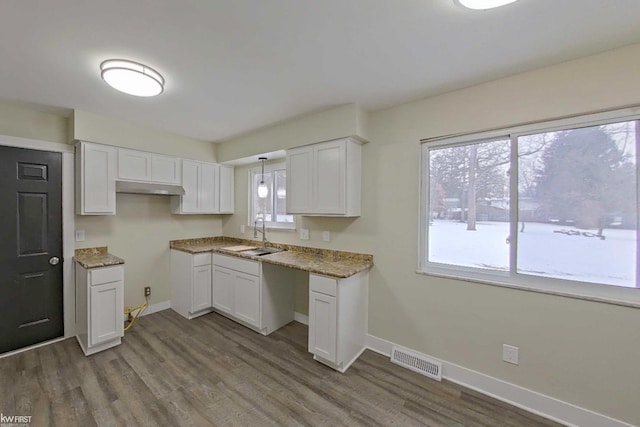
(417, 362)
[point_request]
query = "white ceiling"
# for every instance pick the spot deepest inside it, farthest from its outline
(236, 65)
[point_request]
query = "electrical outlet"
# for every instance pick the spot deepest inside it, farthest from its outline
(326, 236)
(510, 354)
(147, 291)
(304, 234)
(79, 235)
(241, 228)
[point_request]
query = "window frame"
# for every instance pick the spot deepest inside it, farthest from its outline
(257, 170)
(511, 278)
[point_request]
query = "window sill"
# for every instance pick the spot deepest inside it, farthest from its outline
(622, 301)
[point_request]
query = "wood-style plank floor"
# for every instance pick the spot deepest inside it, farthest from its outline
(170, 371)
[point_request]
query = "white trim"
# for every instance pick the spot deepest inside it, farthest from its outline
(529, 400)
(14, 141)
(159, 306)
(599, 292)
(280, 226)
(68, 220)
(68, 243)
(301, 318)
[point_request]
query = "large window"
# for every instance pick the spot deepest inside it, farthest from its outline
(272, 208)
(552, 206)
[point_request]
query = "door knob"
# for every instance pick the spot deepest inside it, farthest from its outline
(54, 260)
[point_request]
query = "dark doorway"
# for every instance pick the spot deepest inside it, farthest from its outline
(30, 247)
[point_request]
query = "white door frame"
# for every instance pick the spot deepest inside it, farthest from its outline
(68, 219)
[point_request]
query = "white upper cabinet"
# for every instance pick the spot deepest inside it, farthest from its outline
(325, 179)
(226, 185)
(208, 189)
(134, 165)
(191, 179)
(165, 169)
(95, 179)
(299, 175)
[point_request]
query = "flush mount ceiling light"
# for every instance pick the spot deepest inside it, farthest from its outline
(131, 77)
(483, 4)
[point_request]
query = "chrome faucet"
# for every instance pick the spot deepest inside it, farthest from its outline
(255, 231)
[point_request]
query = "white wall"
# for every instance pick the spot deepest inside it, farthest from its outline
(581, 352)
(25, 121)
(143, 225)
(332, 123)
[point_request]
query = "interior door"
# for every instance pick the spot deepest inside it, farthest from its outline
(30, 247)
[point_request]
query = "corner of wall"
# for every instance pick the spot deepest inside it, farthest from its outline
(362, 123)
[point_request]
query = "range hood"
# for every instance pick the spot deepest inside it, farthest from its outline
(149, 188)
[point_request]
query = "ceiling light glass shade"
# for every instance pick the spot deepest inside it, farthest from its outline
(263, 190)
(131, 77)
(483, 4)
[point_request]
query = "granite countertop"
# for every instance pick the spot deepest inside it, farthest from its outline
(337, 264)
(96, 257)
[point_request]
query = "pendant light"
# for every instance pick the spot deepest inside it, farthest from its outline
(263, 190)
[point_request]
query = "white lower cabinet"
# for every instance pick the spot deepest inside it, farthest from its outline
(223, 282)
(260, 295)
(247, 298)
(337, 319)
(323, 319)
(201, 289)
(191, 287)
(257, 295)
(99, 307)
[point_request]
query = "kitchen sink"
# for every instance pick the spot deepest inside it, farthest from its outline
(262, 251)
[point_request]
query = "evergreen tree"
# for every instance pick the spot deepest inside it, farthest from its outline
(585, 175)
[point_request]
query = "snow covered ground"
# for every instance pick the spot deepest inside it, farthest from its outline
(542, 251)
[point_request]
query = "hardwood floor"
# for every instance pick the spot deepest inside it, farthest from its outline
(170, 371)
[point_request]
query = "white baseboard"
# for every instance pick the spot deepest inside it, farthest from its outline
(154, 308)
(301, 318)
(529, 400)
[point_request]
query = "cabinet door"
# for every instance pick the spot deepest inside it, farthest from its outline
(191, 184)
(201, 288)
(97, 179)
(299, 176)
(134, 165)
(223, 280)
(226, 184)
(322, 325)
(165, 169)
(106, 312)
(208, 188)
(247, 298)
(329, 180)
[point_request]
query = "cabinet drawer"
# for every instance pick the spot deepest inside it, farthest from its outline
(202, 259)
(237, 264)
(323, 285)
(100, 276)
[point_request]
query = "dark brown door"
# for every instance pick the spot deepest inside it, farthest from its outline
(30, 247)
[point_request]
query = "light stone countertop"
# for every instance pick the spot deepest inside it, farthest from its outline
(337, 264)
(96, 257)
